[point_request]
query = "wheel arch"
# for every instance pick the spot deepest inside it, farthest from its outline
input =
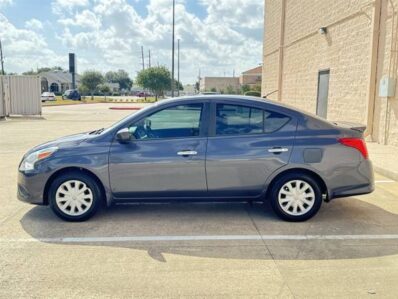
(297, 170)
(73, 169)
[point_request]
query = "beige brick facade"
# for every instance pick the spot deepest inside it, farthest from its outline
(220, 84)
(356, 49)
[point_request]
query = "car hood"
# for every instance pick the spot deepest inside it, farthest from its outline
(63, 142)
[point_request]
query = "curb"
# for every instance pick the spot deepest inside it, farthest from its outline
(124, 108)
(386, 172)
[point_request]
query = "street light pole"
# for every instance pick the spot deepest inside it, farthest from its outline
(178, 67)
(172, 54)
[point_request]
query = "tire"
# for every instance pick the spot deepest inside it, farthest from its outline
(293, 204)
(74, 196)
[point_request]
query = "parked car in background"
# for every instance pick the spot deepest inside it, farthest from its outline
(47, 96)
(202, 148)
(143, 94)
(71, 94)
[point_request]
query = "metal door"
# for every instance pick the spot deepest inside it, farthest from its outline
(323, 91)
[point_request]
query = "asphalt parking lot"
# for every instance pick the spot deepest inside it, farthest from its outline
(350, 249)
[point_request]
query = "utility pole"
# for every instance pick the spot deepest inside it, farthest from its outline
(142, 56)
(149, 58)
(172, 52)
(1, 59)
(178, 67)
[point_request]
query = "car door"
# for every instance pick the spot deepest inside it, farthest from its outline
(246, 144)
(166, 158)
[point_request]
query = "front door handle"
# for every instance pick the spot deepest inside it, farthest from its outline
(278, 150)
(187, 153)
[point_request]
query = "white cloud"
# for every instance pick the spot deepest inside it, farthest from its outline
(86, 19)
(59, 6)
(25, 49)
(3, 3)
(226, 39)
(34, 24)
(108, 34)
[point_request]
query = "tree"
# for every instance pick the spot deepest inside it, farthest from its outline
(257, 88)
(121, 77)
(83, 90)
(213, 89)
(91, 80)
(197, 86)
(245, 88)
(156, 79)
(230, 90)
(178, 85)
(103, 88)
(28, 73)
(43, 70)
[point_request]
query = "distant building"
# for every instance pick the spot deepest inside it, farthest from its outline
(251, 77)
(220, 84)
(57, 81)
(189, 90)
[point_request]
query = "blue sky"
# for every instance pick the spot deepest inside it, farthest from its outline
(217, 36)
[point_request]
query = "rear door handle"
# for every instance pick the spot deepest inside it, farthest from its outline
(187, 153)
(278, 150)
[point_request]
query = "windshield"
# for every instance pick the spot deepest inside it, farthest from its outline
(125, 119)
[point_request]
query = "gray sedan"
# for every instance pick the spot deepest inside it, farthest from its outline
(205, 148)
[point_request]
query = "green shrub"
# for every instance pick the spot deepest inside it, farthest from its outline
(253, 93)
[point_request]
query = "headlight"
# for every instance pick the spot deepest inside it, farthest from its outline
(29, 162)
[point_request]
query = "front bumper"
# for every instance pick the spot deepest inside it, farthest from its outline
(31, 187)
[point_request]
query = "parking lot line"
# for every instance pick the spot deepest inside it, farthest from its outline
(200, 238)
(384, 181)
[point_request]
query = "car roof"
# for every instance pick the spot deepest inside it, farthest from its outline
(254, 100)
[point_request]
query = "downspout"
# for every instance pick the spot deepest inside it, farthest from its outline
(374, 66)
(281, 48)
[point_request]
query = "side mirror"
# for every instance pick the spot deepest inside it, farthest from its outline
(123, 135)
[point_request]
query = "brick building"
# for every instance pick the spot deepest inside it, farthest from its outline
(251, 77)
(335, 58)
(219, 84)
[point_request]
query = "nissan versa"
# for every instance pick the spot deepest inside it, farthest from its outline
(203, 148)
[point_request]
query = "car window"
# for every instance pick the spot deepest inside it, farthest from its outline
(273, 121)
(173, 122)
(234, 119)
(238, 120)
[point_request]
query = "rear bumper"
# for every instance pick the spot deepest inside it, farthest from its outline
(357, 182)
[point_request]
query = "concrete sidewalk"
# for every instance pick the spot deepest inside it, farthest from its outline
(384, 158)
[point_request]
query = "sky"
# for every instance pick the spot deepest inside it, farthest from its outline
(217, 37)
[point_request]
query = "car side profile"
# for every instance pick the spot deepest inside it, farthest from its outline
(202, 148)
(71, 94)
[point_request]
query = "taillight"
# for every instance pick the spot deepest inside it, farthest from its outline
(357, 143)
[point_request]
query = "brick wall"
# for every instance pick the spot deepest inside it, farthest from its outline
(345, 50)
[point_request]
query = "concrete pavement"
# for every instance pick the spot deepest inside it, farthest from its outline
(138, 256)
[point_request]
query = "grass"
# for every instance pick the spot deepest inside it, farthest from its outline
(97, 99)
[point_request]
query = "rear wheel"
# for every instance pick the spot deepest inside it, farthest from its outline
(74, 196)
(296, 197)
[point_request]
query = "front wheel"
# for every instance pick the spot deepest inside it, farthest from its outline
(296, 197)
(74, 196)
